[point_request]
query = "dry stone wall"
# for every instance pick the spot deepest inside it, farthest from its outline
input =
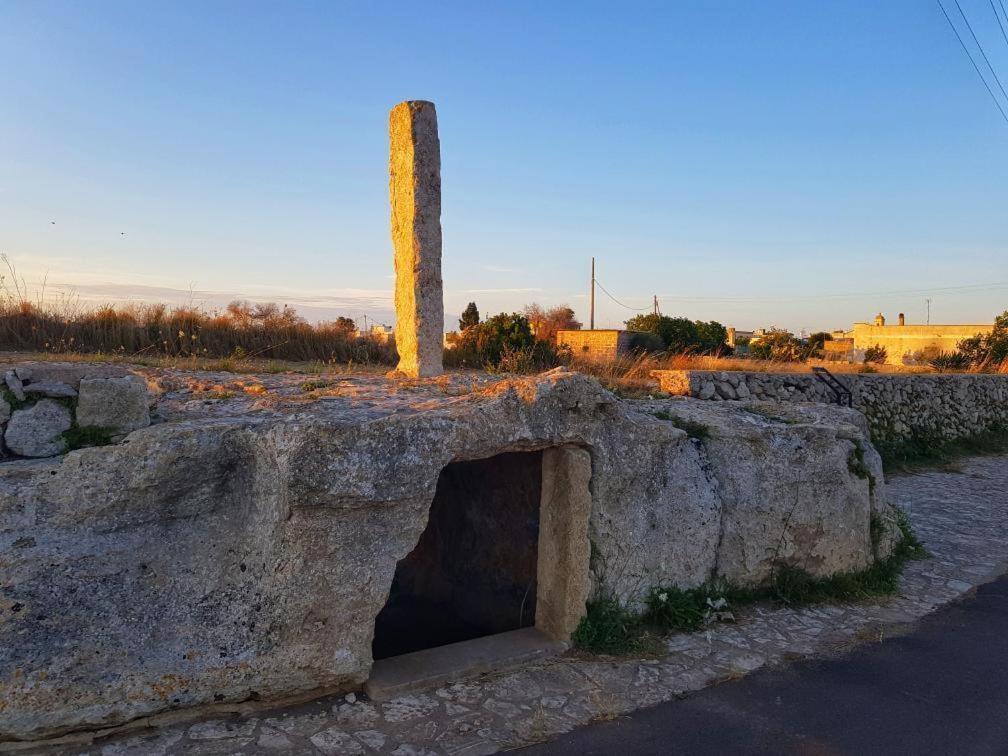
(900, 409)
(48, 408)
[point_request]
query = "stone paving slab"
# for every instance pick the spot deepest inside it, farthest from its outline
(961, 516)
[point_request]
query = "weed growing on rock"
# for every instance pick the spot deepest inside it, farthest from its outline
(926, 451)
(78, 438)
(693, 429)
(610, 627)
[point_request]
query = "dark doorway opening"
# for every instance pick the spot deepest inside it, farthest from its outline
(473, 571)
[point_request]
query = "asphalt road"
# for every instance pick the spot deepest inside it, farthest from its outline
(940, 689)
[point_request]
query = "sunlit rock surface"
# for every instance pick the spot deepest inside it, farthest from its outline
(242, 545)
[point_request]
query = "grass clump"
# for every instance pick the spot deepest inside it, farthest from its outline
(609, 627)
(693, 429)
(792, 586)
(78, 437)
(923, 451)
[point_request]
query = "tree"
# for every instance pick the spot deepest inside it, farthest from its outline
(470, 317)
(546, 323)
(682, 334)
(775, 345)
(814, 344)
(992, 347)
(712, 336)
(347, 325)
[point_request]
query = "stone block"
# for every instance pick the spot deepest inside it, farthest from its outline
(37, 431)
(119, 405)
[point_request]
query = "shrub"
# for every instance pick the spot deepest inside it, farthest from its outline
(946, 361)
(779, 346)
(876, 354)
(682, 334)
(984, 350)
(504, 343)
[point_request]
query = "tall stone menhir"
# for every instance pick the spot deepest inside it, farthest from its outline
(415, 193)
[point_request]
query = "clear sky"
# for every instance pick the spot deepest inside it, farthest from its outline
(745, 161)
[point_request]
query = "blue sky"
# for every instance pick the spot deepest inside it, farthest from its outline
(804, 164)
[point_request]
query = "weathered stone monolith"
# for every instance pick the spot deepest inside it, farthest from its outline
(415, 194)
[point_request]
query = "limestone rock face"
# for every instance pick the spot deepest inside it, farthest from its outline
(51, 389)
(415, 194)
(36, 431)
(218, 558)
(120, 404)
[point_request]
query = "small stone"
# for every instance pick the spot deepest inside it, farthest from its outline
(218, 729)
(38, 430)
(116, 404)
(274, 740)
(15, 385)
(371, 738)
(51, 389)
(335, 742)
(350, 698)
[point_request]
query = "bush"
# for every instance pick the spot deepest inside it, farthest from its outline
(946, 361)
(504, 343)
(984, 350)
(779, 346)
(682, 334)
(876, 354)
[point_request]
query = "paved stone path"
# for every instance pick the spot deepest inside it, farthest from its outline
(961, 516)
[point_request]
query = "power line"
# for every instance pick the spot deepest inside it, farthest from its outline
(975, 66)
(635, 309)
(998, 17)
(980, 47)
(852, 295)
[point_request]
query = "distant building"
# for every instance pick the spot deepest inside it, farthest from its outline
(599, 344)
(737, 338)
(379, 332)
(904, 344)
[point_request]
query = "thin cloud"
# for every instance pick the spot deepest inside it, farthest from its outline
(526, 290)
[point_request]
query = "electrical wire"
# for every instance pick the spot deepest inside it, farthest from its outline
(636, 309)
(998, 17)
(852, 295)
(976, 68)
(980, 47)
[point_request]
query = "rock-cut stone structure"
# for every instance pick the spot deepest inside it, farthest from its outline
(415, 195)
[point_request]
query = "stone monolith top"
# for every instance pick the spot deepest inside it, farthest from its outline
(415, 194)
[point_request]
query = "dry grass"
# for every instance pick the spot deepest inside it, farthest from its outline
(242, 334)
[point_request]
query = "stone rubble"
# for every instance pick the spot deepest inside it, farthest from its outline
(88, 396)
(960, 515)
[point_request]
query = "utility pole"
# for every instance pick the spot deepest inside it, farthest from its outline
(591, 317)
(928, 300)
(655, 304)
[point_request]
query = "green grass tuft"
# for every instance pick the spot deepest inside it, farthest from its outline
(609, 627)
(920, 451)
(78, 437)
(693, 429)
